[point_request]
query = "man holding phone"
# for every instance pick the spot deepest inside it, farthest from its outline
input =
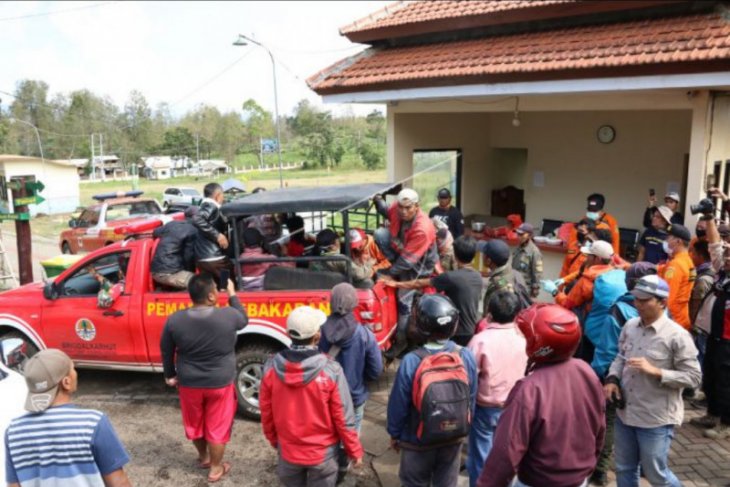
(671, 201)
(198, 347)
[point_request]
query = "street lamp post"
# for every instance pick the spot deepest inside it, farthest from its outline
(242, 41)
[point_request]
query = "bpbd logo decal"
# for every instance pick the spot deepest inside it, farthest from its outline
(85, 329)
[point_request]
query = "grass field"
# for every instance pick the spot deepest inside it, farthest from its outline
(52, 225)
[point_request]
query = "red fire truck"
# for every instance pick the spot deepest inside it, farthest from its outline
(63, 313)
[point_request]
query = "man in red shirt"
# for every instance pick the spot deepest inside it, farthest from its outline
(538, 438)
(306, 407)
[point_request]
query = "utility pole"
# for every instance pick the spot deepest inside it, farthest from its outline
(23, 237)
(101, 156)
(197, 147)
(93, 159)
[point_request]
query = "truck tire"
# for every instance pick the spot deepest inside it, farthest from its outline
(66, 248)
(8, 344)
(250, 360)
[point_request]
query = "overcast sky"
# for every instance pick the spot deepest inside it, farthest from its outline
(170, 50)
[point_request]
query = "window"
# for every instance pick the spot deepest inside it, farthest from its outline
(436, 169)
(172, 191)
(89, 217)
(129, 210)
(113, 267)
(190, 192)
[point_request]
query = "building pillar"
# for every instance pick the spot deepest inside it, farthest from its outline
(390, 143)
(699, 166)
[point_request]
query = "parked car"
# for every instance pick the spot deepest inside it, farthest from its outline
(64, 313)
(94, 228)
(13, 391)
(180, 197)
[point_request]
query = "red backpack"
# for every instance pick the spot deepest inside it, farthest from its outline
(441, 395)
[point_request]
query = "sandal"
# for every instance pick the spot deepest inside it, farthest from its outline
(202, 465)
(215, 478)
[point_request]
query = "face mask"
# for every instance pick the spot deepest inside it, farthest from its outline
(665, 248)
(593, 215)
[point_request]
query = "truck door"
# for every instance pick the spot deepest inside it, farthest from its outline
(75, 323)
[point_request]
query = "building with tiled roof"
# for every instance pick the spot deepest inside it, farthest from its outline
(557, 98)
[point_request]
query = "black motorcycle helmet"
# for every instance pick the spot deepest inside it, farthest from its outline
(436, 317)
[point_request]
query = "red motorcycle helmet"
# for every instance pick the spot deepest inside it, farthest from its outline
(552, 332)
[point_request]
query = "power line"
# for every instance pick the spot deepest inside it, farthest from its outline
(215, 77)
(54, 12)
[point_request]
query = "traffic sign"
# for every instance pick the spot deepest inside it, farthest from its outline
(35, 186)
(15, 216)
(29, 200)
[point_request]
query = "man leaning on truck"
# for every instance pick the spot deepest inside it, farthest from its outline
(204, 339)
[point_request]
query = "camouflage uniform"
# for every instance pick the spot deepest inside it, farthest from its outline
(500, 278)
(527, 260)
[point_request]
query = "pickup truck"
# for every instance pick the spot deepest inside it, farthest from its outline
(64, 314)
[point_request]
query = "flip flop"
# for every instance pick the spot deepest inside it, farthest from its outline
(204, 464)
(215, 478)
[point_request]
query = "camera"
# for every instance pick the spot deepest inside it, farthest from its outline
(705, 207)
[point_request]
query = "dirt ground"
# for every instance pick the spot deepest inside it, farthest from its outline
(146, 415)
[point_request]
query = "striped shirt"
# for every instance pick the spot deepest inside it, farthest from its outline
(62, 446)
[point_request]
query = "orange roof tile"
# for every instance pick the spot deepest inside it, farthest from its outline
(565, 53)
(401, 13)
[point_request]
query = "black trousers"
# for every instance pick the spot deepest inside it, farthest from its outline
(716, 378)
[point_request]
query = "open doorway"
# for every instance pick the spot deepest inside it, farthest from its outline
(508, 177)
(434, 169)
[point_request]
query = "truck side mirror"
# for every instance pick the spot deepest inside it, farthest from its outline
(50, 291)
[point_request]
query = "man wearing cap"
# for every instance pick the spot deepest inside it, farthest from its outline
(306, 408)
(679, 273)
(448, 214)
(574, 258)
(409, 243)
(671, 202)
(198, 347)
(501, 276)
(59, 443)
(173, 262)
(656, 359)
(651, 243)
(599, 255)
(364, 249)
(527, 259)
(595, 213)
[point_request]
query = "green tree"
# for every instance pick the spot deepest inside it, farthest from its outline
(315, 129)
(372, 154)
(178, 142)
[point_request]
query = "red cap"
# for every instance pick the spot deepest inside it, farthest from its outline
(515, 220)
(357, 238)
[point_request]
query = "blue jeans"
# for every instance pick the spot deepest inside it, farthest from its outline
(343, 462)
(481, 437)
(648, 447)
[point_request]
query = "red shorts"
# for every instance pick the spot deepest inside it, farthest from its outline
(208, 413)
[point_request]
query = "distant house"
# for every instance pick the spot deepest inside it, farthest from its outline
(60, 178)
(104, 167)
(158, 167)
(213, 166)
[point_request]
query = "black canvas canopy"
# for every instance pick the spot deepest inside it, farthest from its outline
(321, 198)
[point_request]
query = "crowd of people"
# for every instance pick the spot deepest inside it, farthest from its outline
(534, 393)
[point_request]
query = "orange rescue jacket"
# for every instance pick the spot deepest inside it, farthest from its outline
(582, 292)
(680, 274)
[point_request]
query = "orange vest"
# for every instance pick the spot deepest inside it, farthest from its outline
(680, 274)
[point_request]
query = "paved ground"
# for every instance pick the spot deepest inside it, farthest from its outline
(146, 413)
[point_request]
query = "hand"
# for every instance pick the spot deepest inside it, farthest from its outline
(610, 389)
(717, 193)
(652, 201)
(395, 445)
(357, 463)
(549, 287)
(172, 381)
(222, 241)
(559, 282)
(643, 365)
(231, 288)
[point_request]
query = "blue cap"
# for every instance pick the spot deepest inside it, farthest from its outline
(651, 286)
(497, 251)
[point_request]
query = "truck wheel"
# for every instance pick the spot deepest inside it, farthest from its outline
(250, 362)
(66, 248)
(16, 350)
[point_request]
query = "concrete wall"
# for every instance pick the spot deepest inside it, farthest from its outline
(62, 185)
(649, 152)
